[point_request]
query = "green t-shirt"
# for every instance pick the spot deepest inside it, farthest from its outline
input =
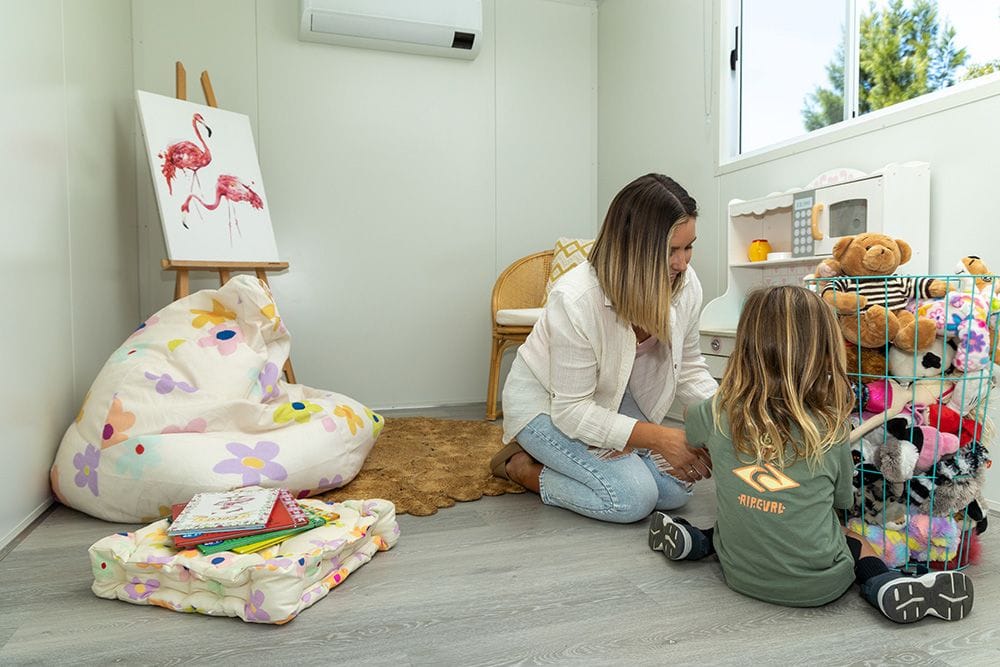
(777, 535)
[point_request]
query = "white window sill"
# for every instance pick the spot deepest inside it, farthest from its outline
(958, 95)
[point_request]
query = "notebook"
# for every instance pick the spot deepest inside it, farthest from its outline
(287, 513)
(251, 543)
(248, 508)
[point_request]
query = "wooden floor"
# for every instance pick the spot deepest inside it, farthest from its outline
(500, 580)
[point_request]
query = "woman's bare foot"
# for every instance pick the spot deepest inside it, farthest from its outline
(524, 470)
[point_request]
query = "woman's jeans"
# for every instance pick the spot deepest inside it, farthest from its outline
(621, 488)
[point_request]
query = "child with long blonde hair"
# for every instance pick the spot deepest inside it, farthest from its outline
(777, 432)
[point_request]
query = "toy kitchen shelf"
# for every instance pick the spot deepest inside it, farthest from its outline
(804, 224)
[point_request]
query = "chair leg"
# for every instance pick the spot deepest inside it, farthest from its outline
(496, 354)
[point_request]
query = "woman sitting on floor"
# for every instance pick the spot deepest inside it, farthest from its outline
(616, 344)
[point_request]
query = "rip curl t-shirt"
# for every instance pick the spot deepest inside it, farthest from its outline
(777, 535)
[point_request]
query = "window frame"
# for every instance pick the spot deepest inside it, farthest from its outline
(730, 108)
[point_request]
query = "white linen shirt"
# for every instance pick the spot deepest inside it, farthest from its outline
(579, 357)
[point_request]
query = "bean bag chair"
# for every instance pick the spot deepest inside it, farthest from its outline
(194, 401)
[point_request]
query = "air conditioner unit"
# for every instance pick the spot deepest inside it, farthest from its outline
(449, 28)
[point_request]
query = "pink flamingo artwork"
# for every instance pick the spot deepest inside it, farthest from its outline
(185, 155)
(232, 190)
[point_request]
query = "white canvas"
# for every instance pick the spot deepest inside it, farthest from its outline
(207, 179)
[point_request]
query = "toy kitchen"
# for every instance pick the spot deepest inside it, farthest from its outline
(779, 239)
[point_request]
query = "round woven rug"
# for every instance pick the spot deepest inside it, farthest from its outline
(422, 463)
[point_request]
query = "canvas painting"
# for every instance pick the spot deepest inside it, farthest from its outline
(207, 179)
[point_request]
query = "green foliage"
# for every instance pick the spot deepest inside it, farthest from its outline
(981, 69)
(905, 52)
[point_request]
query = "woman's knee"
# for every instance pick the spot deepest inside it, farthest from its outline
(633, 501)
(672, 495)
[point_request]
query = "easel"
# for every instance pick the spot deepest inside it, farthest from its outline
(224, 269)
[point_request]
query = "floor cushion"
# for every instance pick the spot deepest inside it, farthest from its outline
(269, 586)
(194, 400)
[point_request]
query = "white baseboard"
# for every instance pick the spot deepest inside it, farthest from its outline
(993, 506)
(20, 528)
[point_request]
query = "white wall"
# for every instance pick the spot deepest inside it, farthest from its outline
(959, 142)
(68, 262)
(400, 185)
(656, 106)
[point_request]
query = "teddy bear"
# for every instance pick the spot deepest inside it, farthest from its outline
(871, 299)
(867, 362)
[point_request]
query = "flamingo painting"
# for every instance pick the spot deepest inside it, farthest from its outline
(219, 150)
(232, 190)
(185, 155)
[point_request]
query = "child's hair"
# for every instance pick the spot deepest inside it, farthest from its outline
(631, 253)
(785, 391)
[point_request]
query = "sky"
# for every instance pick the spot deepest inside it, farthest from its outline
(772, 104)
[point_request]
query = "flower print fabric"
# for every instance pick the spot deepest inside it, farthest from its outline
(144, 568)
(197, 401)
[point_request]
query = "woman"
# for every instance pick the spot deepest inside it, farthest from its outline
(616, 344)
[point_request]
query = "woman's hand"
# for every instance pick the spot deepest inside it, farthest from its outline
(689, 464)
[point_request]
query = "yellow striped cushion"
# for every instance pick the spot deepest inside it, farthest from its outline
(568, 253)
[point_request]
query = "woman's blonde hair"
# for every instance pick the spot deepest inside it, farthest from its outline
(632, 251)
(785, 391)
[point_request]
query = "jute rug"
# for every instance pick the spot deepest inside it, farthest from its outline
(421, 464)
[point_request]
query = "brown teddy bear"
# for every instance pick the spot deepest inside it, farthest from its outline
(872, 363)
(871, 300)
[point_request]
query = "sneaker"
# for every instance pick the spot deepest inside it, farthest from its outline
(947, 595)
(668, 536)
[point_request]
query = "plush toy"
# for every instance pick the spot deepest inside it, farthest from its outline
(871, 300)
(971, 265)
(925, 538)
(911, 448)
(934, 362)
(866, 362)
(970, 552)
(947, 420)
(964, 317)
(956, 482)
(887, 398)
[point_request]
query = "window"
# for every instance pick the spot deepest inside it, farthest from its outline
(800, 65)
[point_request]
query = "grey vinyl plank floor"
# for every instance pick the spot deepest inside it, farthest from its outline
(498, 581)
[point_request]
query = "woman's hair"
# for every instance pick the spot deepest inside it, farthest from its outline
(632, 251)
(785, 391)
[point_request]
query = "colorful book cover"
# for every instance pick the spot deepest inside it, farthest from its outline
(251, 543)
(239, 509)
(287, 513)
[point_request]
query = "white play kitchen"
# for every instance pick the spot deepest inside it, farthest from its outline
(788, 233)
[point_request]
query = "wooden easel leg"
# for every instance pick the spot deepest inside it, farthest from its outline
(206, 86)
(181, 284)
(224, 276)
(180, 91)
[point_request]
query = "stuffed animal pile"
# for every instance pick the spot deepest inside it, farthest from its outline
(921, 352)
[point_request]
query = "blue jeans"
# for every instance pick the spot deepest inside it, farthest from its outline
(622, 489)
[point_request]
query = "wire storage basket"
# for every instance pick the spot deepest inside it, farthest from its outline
(922, 368)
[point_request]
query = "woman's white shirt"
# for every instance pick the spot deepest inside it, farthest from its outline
(579, 358)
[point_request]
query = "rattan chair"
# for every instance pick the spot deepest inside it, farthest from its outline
(518, 296)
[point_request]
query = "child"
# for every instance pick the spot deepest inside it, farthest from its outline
(779, 424)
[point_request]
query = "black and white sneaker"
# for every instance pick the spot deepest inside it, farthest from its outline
(947, 595)
(668, 536)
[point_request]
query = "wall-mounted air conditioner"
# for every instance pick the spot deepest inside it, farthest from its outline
(450, 28)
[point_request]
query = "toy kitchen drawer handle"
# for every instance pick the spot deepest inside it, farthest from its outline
(716, 345)
(817, 209)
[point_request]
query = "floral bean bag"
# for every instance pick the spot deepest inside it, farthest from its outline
(194, 401)
(269, 586)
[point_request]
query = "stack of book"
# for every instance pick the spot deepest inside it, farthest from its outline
(242, 520)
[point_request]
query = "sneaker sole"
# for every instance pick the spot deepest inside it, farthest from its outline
(656, 531)
(946, 595)
(668, 537)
